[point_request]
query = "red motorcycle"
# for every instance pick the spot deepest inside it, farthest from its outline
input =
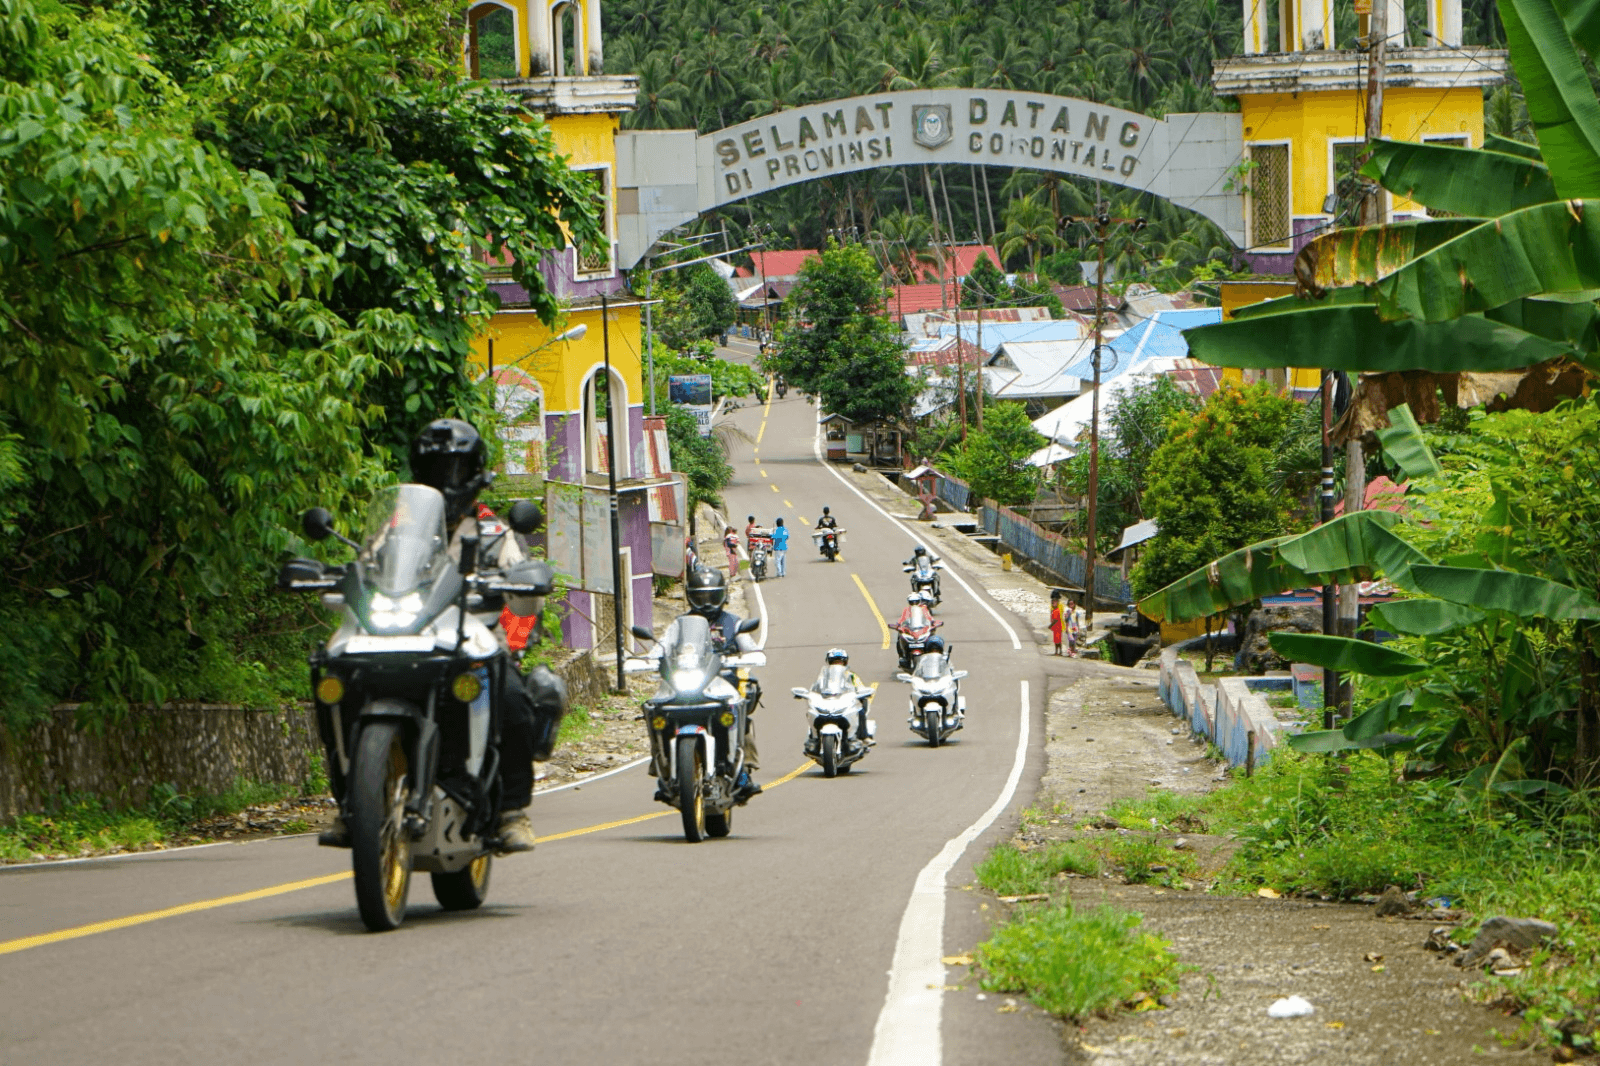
(915, 627)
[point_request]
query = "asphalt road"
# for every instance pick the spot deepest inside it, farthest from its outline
(799, 939)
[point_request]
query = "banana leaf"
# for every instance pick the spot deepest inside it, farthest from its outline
(1345, 654)
(1582, 20)
(1355, 338)
(1466, 181)
(1282, 305)
(1353, 547)
(1373, 728)
(1548, 248)
(1574, 321)
(1522, 595)
(1561, 102)
(1403, 444)
(1422, 618)
(1360, 255)
(1506, 146)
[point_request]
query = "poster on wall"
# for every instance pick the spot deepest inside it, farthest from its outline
(693, 393)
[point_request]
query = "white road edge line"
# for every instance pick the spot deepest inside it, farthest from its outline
(584, 781)
(816, 449)
(909, 1030)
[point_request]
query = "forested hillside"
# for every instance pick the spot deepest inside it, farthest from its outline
(709, 64)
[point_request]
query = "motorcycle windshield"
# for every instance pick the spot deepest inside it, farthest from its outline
(690, 657)
(834, 680)
(404, 544)
(918, 618)
(929, 668)
(924, 569)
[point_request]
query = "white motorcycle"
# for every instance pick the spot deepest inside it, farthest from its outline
(837, 709)
(938, 708)
(924, 571)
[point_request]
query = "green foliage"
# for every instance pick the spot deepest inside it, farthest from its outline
(697, 305)
(994, 460)
(1077, 963)
(727, 378)
(229, 286)
(837, 345)
(1210, 483)
(985, 286)
(701, 459)
(1010, 871)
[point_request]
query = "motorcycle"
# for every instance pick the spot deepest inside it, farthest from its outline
(409, 692)
(836, 708)
(697, 720)
(783, 388)
(925, 576)
(915, 627)
(828, 542)
(937, 706)
(760, 552)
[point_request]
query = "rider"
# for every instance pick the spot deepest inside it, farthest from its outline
(707, 593)
(917, 556)
(915, 616)
(451, 456)
(838, 657)
(827, 521)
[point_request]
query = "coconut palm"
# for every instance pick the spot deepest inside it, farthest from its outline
(1030, 230)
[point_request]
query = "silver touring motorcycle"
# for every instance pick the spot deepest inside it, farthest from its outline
(411, 683)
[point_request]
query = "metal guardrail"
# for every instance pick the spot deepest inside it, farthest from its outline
(1027, 538)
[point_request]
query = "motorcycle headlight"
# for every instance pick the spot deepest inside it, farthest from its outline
(387, 613)
(688, 680)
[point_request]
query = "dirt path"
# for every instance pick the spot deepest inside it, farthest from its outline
(1379, 996)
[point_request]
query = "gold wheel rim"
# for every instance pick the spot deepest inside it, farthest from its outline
(396, 845)
(699, 795)
(479, 872)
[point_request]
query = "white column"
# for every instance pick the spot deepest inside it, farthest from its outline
(539, 63)
(592, 38)
(1397, 23)
(1314, 23)
(1444, 23)
(1255, 27)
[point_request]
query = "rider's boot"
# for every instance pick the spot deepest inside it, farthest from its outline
(336, 835)
(745, 787)
(516, 832)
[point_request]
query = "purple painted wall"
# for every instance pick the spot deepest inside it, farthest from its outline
(563, 434)
(560, 273)
(635, 459)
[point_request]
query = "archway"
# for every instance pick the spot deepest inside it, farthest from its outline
(493, 46)
(598, 394)
(519, 400)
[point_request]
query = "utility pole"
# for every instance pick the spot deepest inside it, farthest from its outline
(1330, 679)
(649, 337)
(611, 485)
(1102, 224)
(982, 358)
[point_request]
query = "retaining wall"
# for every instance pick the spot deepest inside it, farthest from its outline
(1237, 720)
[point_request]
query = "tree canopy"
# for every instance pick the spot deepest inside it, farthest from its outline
(993, 461)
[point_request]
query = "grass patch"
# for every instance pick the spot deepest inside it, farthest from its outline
(1010, 871)
(1077, 963)
(1351, 826)
(83, 825)
(1147, 860)
(1159, 810)
(579, 724)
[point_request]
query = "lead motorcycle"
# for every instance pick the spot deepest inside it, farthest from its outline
(938, 708)
(697, 721)
(410, 686)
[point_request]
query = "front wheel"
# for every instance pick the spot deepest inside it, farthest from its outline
(467, 888)
(930, 722)
(691, 794)
(380, 846)
(830, 756)
(720, 825)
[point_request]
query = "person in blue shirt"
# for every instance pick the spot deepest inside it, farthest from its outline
(780, 546)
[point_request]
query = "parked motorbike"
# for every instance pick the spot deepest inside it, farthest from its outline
(697, 721)
(938, 708)
(410, 688)
(828, 542)
(924, 573)
(760, 552)
(916, 628)
(836, 708)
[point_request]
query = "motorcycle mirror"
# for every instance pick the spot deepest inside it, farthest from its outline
(959, 674)
(469, 555)
(749, 625)
(317, 523)
(799, 693)
(903, 677)
(642, 632)
(525, 517)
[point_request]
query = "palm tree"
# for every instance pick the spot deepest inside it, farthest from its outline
(1030, 229)
(906, 243)
(661, 99)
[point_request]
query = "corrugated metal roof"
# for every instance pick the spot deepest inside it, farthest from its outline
(997, 333)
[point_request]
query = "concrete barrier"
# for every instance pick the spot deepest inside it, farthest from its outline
(1229, 714)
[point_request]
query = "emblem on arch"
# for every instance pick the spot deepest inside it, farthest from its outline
(930, 124)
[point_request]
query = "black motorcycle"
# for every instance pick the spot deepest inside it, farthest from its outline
(828, 542)
(409, 693)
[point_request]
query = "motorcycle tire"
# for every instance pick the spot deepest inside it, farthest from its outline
(467, 888)
(691, 795)
(720, 824)
(930, 722)
(830, 756)
(380, 846)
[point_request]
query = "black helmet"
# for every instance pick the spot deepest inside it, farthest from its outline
(824, 510)
(935, 644)
(450, 455)
(920, 550)
(706, 591)
(839, 656)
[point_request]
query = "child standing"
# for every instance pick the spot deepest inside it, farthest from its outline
(730, 541)
(1058, 619)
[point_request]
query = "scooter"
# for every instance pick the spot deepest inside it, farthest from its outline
(937, 706)
(828, 542)
(836, 709)
(783, 388)
(916, 628)
(760, 551)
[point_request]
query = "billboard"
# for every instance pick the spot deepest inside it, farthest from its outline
(693, 393)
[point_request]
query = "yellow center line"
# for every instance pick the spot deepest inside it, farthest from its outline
(875, 612)
(772, 387)
(789, 505)
(763, 473)
(24, 943)
(774, 488)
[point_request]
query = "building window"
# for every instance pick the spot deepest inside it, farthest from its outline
(568, 61)
(594, 258)
(1270, 226)
(491, 43)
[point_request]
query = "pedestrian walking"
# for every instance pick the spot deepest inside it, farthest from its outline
(780, 546)
(1058, 619)
(730, 541)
